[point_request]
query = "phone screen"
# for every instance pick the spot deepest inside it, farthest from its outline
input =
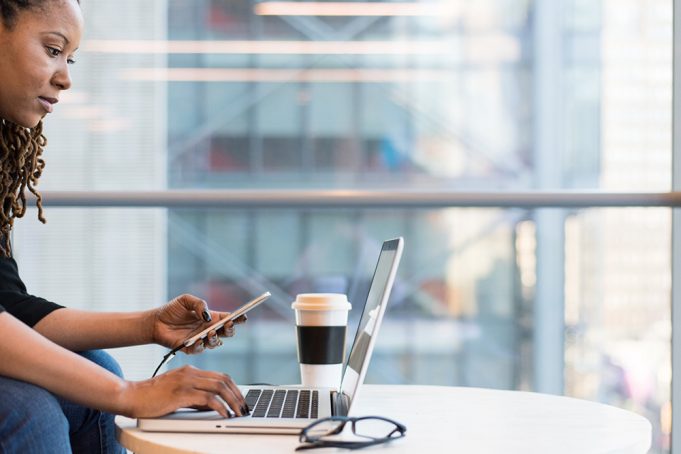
(234, 315)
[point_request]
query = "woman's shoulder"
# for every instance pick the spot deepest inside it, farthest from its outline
(9, 275)
(7, 262)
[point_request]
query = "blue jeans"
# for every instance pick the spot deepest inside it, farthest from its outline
(32, 420)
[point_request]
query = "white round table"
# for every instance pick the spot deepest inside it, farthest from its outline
(445, 419)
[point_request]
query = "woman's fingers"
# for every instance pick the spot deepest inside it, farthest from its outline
(207, 399)
(198, 347)
(221, 387)
(194, 304)
(186, 386)
(227, 330)
(212, 340)
(237, 392)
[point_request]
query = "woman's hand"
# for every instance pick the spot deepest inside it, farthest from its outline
(185, 316)
(186, 386)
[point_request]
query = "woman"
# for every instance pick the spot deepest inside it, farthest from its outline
(52, 399)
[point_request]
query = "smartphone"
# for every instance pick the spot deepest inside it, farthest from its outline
(234, 315)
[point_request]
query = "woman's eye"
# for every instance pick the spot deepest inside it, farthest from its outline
(54, 52)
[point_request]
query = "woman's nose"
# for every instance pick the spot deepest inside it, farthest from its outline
(62, 78)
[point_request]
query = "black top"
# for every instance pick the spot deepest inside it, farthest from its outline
(14, 298)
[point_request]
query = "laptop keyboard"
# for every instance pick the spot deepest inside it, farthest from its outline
(282, 403)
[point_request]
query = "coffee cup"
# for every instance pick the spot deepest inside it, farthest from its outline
(321, 324)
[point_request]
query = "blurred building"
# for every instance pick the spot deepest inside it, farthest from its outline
(456, 95)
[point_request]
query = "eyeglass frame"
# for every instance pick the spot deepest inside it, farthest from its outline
(319, 442)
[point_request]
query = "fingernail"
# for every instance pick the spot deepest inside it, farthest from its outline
(206, 316)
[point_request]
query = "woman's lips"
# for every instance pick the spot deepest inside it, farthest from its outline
(46, 103)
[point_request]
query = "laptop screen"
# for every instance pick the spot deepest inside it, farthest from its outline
(377, 298)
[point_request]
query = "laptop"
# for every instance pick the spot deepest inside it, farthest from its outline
(287, 409)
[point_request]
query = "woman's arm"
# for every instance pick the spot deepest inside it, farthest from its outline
(26, 355)
(167, 325)
(78, 330)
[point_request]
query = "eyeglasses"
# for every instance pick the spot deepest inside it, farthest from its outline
(319, 435)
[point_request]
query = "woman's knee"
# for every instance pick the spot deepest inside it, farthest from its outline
(32, 419)
(103, 359)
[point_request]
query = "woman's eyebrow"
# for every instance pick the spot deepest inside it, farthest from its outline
(61, 35)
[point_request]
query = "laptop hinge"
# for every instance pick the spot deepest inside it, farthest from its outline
(340, 403)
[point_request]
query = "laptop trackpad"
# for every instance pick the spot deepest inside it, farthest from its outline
(191, 414)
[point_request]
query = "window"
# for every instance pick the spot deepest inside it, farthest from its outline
(471, 99)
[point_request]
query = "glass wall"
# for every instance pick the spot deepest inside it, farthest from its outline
(492, 95)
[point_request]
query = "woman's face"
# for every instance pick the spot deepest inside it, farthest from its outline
(36, 53)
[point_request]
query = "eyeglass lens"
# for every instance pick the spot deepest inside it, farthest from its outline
(373, 428)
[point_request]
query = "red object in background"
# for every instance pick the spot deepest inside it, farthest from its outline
(223, 296)
(219, 159)
(437, 289)
(219, 19)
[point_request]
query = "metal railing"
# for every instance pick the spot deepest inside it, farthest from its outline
(357, 198)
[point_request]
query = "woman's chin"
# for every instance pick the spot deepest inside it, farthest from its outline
(27, 121)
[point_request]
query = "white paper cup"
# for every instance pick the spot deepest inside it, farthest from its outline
(321, 324)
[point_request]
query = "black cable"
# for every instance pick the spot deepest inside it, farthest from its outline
(167, 358)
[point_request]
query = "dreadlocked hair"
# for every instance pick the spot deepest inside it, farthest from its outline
(20, 167)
